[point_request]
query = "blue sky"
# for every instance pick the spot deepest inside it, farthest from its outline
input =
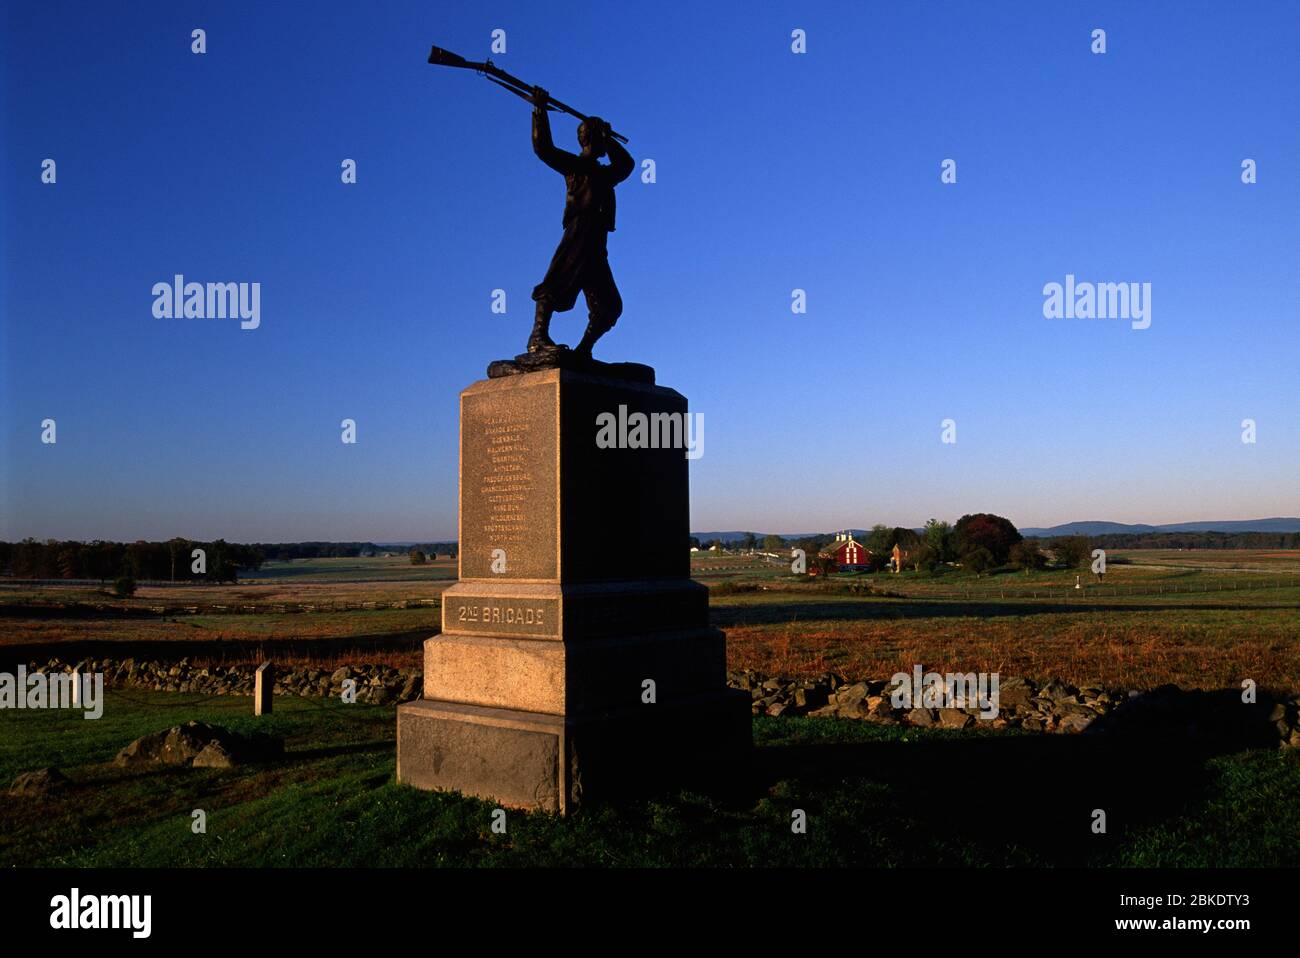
(775, 171)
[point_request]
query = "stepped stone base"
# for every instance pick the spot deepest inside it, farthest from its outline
(554, 763)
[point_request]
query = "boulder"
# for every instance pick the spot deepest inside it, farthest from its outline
(231, 751)
(177, 745)
(201, 745)
(215, 754)
(41, 782)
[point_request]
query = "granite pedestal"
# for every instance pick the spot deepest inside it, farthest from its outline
(574, 609)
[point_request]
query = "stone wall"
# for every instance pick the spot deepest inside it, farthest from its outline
(1024, 704)
(1051, 706)
(376, 684)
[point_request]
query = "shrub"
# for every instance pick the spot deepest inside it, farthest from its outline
(124, 587)
(1026, 555)
(1072, 551)
(978, 560)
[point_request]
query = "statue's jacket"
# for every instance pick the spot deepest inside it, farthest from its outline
(589, 213)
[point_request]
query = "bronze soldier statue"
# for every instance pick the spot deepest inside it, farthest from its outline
(581, 261)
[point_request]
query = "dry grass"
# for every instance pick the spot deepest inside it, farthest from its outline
(1130, 650)
(774, 623)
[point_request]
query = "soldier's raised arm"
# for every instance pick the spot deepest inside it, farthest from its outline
(543, 145)
(621, 163)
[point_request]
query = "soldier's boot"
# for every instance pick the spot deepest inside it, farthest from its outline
(594, 331)
(541, 335)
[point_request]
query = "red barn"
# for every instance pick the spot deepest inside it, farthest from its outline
(849, 554)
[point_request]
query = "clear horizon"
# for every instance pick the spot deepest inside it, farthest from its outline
(775, 171)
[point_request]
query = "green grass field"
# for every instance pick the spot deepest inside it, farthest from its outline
(359, 569)
(873, 796)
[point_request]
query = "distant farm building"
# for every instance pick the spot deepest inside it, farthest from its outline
(898, 557)
(849, 554)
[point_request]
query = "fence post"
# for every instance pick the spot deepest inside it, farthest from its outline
(263, 688)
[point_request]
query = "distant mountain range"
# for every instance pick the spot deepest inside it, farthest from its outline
(1091, 528)
(1098, 528)
(734, 536)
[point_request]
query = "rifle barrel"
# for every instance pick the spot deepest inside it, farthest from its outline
(441, 57)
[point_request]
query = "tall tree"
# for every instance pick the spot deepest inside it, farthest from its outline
(938, 538)
(1026, 555)
(983, 530)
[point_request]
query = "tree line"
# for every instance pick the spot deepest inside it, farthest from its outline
(1198, 540)
(288, 551)
(174, 560)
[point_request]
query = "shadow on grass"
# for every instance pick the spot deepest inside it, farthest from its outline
(1033, 798)
(354, 748)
